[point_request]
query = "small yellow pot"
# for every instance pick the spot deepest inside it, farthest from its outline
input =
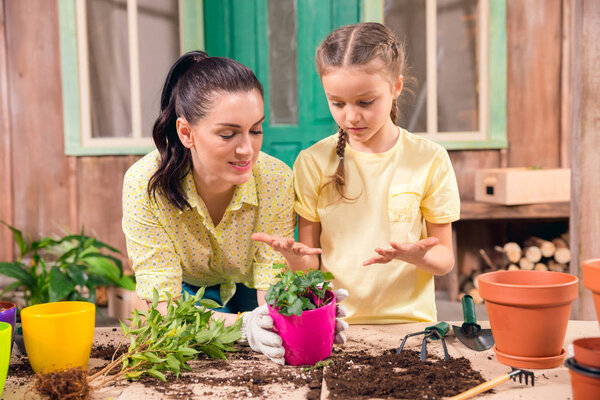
(58, 335)
(5, 347)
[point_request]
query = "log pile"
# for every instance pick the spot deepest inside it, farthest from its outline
(533, 254)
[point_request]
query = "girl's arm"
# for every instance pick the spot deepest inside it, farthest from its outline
(433, 254)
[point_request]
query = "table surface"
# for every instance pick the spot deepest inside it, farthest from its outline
(549, 384)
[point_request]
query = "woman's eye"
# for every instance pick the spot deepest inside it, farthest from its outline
(257, 132)
(227, 135)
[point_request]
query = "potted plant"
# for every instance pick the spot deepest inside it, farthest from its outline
(303, 310)
(67, 268)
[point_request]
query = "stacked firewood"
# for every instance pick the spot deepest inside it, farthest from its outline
(533, 254)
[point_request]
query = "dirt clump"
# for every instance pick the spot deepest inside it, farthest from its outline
(69, 384)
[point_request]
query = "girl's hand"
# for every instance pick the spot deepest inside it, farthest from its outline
(412, 253)
(294, 252)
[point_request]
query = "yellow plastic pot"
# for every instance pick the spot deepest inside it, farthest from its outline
(58, 335)
(5, 346)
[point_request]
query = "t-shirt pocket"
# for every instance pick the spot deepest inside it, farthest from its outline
(404, 203)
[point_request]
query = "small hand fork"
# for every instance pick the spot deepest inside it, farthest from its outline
(435, 332)
(484, 387)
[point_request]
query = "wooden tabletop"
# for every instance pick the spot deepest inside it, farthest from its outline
(550, 383)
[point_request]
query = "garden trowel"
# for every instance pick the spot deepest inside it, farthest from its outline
(470, 333)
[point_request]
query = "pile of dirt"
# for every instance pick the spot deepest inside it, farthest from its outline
(398, 376)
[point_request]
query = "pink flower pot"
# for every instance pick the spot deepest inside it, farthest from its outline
(307, 338)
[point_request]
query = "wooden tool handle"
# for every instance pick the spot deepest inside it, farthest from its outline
(484, 387)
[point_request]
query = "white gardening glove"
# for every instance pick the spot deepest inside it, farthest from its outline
(256, 332)
(340, 312)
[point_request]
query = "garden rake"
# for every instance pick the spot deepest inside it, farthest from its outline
(484, 387)
(434, 332)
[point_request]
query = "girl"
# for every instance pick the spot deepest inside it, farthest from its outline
(377, 199)
(190, 207)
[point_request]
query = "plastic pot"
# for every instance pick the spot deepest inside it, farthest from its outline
(307, 338)
(8, 314)
(585, 382)
(5, 347)
(58, 335)
(528, 313)
(591, 280)
(587, 352)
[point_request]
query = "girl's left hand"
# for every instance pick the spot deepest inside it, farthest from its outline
(412, 253)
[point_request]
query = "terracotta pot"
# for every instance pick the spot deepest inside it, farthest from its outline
(591, 280)
(587, 352)
(528, 313)
(307, 338)
(585, 382)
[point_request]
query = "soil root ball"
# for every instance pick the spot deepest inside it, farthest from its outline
(70, 384)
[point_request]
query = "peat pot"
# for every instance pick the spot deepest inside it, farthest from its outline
(58, 335)
(585, 382)
(528, 313)
(8, 314)
(307, 338)
(591, 280)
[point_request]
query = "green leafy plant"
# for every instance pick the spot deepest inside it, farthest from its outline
(298, 291)
(159, 343)
(67, 268)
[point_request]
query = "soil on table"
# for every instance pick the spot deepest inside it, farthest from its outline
(357, 374)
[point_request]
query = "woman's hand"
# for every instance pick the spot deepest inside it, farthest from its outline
(298, 255)
(412, 253)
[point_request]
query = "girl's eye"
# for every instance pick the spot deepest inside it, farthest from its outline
(337, 104)
(365, 103)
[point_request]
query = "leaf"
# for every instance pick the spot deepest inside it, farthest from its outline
(18, 237)
(186, 351)
(229, 337)
(212, 351)
(60, 285)
(18, 271)
(134, 375)
(208, 303)
(173, 364)
(77, 274)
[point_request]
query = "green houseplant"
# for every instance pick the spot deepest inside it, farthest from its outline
(67, 268)
(303, 309)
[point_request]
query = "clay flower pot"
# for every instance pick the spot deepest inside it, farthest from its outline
(585, 382)
(307, 338)
(587, 352)
(528, 313)
(591, 280)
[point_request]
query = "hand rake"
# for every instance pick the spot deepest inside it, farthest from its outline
(484, 387)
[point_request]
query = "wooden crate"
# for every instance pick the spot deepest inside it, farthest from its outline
(512, 186)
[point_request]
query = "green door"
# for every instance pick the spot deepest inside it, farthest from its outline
(277, 40)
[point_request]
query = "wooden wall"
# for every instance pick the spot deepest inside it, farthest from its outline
(42, 191)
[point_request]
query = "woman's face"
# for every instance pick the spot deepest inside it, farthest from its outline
(225, 144)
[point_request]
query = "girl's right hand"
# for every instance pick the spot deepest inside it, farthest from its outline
(298, 255)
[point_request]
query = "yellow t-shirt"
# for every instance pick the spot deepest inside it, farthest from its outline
(389, 195)
(167, 246)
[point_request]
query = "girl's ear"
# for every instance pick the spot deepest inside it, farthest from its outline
(398, 85)
(184, 131)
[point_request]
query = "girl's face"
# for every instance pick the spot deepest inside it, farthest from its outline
(225, 144)
(360, 100)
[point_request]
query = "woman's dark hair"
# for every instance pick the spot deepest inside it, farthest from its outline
(359, 44)
(193, 84)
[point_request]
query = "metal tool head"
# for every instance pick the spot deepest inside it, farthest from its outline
(522, 373)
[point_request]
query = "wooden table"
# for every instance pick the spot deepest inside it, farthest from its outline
(549, 384)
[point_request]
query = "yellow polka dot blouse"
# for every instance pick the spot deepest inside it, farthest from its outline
(167, 246)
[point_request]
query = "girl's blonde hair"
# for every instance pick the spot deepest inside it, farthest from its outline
(353, 45)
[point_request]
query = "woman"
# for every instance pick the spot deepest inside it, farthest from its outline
(191, 206)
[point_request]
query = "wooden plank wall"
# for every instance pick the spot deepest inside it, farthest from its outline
(43, 191)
